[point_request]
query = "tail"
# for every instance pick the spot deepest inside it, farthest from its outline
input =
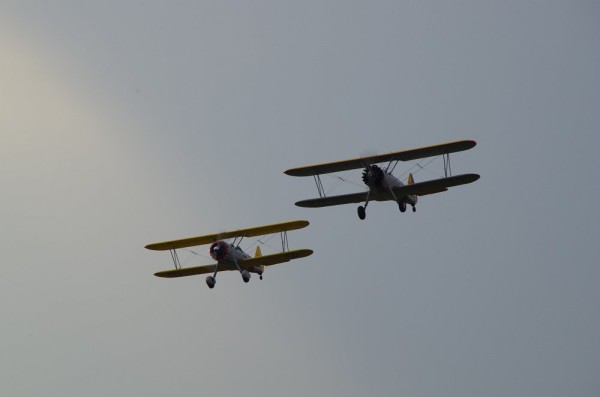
(257, 254)
(413, 198)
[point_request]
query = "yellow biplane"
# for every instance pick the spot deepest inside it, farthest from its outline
(229, 255)
(381, 184)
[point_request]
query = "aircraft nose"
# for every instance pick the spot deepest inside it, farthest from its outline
(218, 250)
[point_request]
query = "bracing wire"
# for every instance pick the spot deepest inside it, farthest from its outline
(191, 254)
(262, 242)
(343, 179)
(259, 241)
(421, 167)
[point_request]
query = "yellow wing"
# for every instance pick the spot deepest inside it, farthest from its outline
(192, 271)
(210, 238)
(405, 155)
(273, 259)
(266, 260)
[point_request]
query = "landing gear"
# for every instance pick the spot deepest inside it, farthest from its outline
(362, 213)
(402, 206)
(245, 275)
(414, 208)
(210, 281)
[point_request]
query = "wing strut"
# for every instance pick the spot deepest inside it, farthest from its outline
(175, 259)
(447, 168)
(390, 165)
(284, 242)
(319, 185)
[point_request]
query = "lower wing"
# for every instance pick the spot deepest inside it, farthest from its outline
(266, 260)
(273, 259)
(435, 185)
(333, 200)
(419, 189)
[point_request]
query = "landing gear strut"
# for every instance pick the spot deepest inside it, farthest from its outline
(362, 211)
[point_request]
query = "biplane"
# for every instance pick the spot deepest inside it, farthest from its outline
(381, 184)
(229, 255)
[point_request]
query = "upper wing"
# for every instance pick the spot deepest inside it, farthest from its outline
(210, 238)
(419, 189)
(266, 260)
(405, 155)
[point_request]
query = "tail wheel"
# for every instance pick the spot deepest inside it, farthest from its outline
(362, 213)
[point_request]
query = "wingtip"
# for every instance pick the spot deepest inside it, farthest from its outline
(303, 203)
(157, 247)
(294, 171)
(472, 143)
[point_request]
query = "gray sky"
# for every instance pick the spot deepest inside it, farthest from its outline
(126, 123)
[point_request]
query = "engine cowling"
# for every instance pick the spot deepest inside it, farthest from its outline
(218, 250)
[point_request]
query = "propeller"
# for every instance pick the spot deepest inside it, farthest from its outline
(218, 250)
(372, 175)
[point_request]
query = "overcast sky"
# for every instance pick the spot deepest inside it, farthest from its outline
(124, 123)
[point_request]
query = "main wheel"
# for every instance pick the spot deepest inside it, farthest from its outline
(245, 275)
(362, 213)
(210, 281)
(402, 206)
(414, 209)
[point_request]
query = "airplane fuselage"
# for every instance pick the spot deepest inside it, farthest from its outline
(381, 182)
(231, 256)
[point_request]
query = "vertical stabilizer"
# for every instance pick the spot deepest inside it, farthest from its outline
(261, 268)
(410, 180)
